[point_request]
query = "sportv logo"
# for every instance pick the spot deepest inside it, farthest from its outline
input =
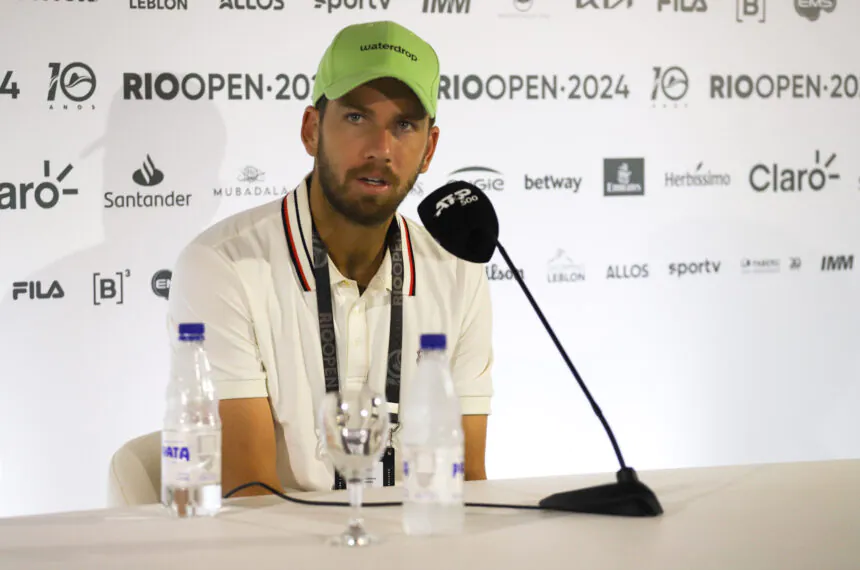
(45, 194)
(694, 268)
(776, 178)
(392, 47)
(352, 4)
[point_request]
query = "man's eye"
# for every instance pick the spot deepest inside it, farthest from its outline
(354, 117)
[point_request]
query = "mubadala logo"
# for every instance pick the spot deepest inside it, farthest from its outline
(44, 194)
(697, 178)
(147, 176)
(778, 178)
(562, 269)
(550, 182)
(251, 179)
(481, 176)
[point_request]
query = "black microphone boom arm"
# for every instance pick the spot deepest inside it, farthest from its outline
(626, 497)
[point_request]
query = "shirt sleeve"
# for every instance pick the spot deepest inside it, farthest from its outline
(472, 360)
(205, 288)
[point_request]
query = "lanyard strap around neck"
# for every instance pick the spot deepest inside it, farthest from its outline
(326, 315)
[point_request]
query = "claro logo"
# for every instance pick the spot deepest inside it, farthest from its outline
(43, 194)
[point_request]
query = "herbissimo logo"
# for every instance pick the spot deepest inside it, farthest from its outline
(149, 177)
(484, 178)
(44, 193)
(251, 183)
(781, 178)
(699, 177)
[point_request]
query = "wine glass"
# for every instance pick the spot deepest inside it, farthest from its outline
(354, 432)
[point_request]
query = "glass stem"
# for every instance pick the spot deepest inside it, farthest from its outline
(355, 487)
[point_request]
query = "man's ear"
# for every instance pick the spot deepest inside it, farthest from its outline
(430, 149)
(310, 130)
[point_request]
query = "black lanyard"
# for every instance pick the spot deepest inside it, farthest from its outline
(395, 338)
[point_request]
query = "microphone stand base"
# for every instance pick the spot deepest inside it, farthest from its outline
(628, 497)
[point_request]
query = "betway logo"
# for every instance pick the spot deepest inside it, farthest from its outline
(446, 6)
(837, 263)
(549, 182)
(394, 48)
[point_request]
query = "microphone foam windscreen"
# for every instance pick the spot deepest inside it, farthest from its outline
(461, 218)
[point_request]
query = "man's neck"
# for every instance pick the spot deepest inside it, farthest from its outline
(357, 251)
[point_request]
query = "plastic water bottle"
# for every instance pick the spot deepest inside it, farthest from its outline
(431, 442)
(191, 436)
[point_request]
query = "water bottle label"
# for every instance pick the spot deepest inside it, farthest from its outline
(434, 476)
(189, 458)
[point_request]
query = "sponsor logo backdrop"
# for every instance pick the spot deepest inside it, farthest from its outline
(677, 182)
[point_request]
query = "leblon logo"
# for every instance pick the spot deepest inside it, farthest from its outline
(777, 178)
(251, 5)
(45, 194)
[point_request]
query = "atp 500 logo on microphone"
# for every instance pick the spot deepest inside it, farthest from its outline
(463, 197)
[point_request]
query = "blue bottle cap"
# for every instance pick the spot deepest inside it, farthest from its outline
(191, 331)
(432, 342)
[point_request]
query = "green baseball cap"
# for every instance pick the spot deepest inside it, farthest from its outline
(363, 52)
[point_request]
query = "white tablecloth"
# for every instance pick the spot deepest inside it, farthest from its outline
(801, 516)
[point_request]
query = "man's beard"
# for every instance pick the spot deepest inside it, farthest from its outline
(374, 213)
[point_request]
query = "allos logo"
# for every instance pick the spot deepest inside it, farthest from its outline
(683, 5)
(352, 4)
(463, 196)
(776, 178)
(148, 176)
(251, 5)
(36, 290)
(481, 176)
(637, 271)
(446, 7)
(45, 194)
(694, 268)
(811, 9)
(837, 263)
(75, 82)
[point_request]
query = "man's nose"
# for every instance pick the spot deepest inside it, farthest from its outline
(379, 144)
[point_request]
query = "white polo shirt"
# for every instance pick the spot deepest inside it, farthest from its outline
(249, 279)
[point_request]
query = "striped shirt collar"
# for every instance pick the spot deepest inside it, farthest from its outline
(296, 217)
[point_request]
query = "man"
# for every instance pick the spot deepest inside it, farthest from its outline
(252, 278)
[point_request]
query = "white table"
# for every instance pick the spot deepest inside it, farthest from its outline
(801, 516)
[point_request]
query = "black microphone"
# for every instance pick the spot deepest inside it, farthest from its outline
(461, 218)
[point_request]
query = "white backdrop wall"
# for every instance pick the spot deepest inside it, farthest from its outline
(743, 357)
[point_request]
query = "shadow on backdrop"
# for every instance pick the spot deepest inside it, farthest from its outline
(87, 371)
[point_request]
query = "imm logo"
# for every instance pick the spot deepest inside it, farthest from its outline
(446, 7)
(837, 263)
